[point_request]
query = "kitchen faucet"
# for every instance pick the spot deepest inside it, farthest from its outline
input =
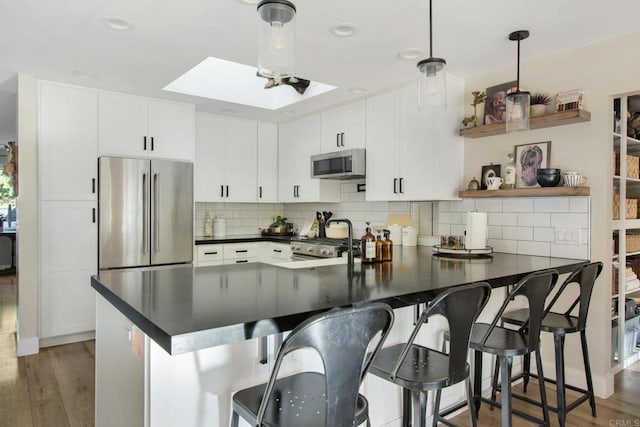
(350, 241)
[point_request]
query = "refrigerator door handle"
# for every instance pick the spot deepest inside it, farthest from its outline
(145, 215)
(156, 207)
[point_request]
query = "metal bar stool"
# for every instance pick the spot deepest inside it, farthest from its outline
(561, 324)
(341, 337)
(419, 369)
(507, 343)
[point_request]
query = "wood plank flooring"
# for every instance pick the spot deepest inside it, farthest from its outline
(56, 387)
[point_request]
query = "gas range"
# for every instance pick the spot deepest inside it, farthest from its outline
(321, 248)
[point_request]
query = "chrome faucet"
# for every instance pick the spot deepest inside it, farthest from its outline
(350, 241)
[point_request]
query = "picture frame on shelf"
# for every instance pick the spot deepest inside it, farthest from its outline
(487, 172)
(495, 104)
(529, 158)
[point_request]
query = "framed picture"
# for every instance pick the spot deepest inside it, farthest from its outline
(495, 105)
(487, 172)
(529, 158)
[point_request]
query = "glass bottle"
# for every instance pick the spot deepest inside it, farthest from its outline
(368, 247)
(379, 248)
(387, 247)
(510, 173)
(208, 225)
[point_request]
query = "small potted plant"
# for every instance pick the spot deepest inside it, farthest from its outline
(279, 225)
(539, 102)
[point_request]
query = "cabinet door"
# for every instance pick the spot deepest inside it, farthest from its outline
(309, 129)
(267, 162)
(383, 143)
(123, 125)
(289, 161)
(240, 160)
(449, 171)
(208, 170)
(344, 127)
(68, 259)
(171, 127)
(68, 141)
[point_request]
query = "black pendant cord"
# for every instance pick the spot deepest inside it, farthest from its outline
(518, 71)
(430, 30)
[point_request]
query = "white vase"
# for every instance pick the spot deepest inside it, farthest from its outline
(538, 109)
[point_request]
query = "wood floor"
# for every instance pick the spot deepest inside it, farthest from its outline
(56, 387)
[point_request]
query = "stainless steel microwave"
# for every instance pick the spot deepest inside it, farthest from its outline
(345, 164)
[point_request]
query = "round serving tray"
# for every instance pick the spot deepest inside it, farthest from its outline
(466, 253)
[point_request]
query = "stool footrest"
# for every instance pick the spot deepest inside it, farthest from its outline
(451, 409)
(514, 411)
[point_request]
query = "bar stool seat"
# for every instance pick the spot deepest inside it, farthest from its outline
(502, 341)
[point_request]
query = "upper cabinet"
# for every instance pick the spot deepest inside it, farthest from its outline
(68, 135)
(298, 141)
(411, 154)
(141, 127)
(226, 159)
(343, 128)
(267, 162)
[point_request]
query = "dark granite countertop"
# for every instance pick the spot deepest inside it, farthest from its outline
(184, 308)
(203, 240)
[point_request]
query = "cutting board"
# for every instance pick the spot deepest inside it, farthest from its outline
(404, 220)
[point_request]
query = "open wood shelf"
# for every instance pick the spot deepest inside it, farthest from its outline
(528, 192)
(537, 122)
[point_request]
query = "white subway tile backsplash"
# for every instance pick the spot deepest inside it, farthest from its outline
(551, 204)
(489, 205)
(464, 205)
(570, 220)
(494, 232)
(444, 206)
(443, 230)
(457, 230)
(506, 246)
(451, 217)
(517, 205)
(534, 219)
(579, 204)
(499, 218)
(534, 248)
(543, 234)
(517, 233)
(567, 251)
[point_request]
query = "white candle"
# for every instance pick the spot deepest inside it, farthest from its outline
(476, 231)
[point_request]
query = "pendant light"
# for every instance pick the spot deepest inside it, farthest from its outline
(518, 102)
(276, 38)
(432, 79)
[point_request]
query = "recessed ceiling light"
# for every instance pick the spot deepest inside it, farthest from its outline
(357, 90)
(288, 113)
(227, 111)
(117, 24)
(84, 75)
(345, 29)
(412, 53)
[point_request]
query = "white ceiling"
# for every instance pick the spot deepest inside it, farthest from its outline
(53, 39)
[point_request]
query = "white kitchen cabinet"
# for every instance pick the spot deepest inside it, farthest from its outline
(298, 141)
(240, 253)
(207, 255)
(226, 159)
(411, 154)
(274, 253)
(68, 258)
(267, 162)
(67, 142)
(134, 126)
(343, 128)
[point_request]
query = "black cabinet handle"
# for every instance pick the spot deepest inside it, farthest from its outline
(211, 253)
(337, 140)
(227, 188)
(241, 251)
(152, 146)
(278, 251)
(401, 189)
(93, 215)
(342, 139)
(222, 191)
(144, 144)
(241, 261)
(93, 185)
(395, 185)
(260, 194)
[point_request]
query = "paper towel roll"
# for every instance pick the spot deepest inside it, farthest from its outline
(409, 236)
(476, 231)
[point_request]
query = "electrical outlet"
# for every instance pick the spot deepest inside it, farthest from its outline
(567, 235)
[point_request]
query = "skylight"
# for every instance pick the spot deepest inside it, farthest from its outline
(228, 81)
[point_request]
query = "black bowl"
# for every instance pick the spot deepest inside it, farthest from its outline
(548, 171)
(550, 180)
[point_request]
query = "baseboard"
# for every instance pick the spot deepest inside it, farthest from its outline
(27, 346)
(67, 339)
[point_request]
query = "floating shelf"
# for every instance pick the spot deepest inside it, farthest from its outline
(537, 122)
(528, 192)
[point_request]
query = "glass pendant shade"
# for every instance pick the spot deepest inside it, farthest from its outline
(432, 84)
(518, 104)
(276, 38)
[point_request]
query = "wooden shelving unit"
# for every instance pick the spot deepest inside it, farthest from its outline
(537, 122)
(528, 192)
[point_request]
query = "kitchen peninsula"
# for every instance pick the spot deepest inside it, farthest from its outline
(196, 329)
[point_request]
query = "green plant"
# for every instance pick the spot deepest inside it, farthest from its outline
(279, 221)
(540, 98)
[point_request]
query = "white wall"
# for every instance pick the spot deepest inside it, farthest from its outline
(602, 70)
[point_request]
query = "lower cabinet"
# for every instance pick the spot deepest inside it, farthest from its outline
(68, 259)
(239, 253)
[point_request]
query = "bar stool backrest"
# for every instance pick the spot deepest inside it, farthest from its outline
(461, 306)
(585, 276)
(341, 337)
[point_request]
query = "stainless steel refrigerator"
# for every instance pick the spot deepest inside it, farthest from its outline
(145, 212)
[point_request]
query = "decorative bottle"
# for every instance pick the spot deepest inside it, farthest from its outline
(510, 173)
(387, 247)
(208, 225)
(368, 247)
(379, 248)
